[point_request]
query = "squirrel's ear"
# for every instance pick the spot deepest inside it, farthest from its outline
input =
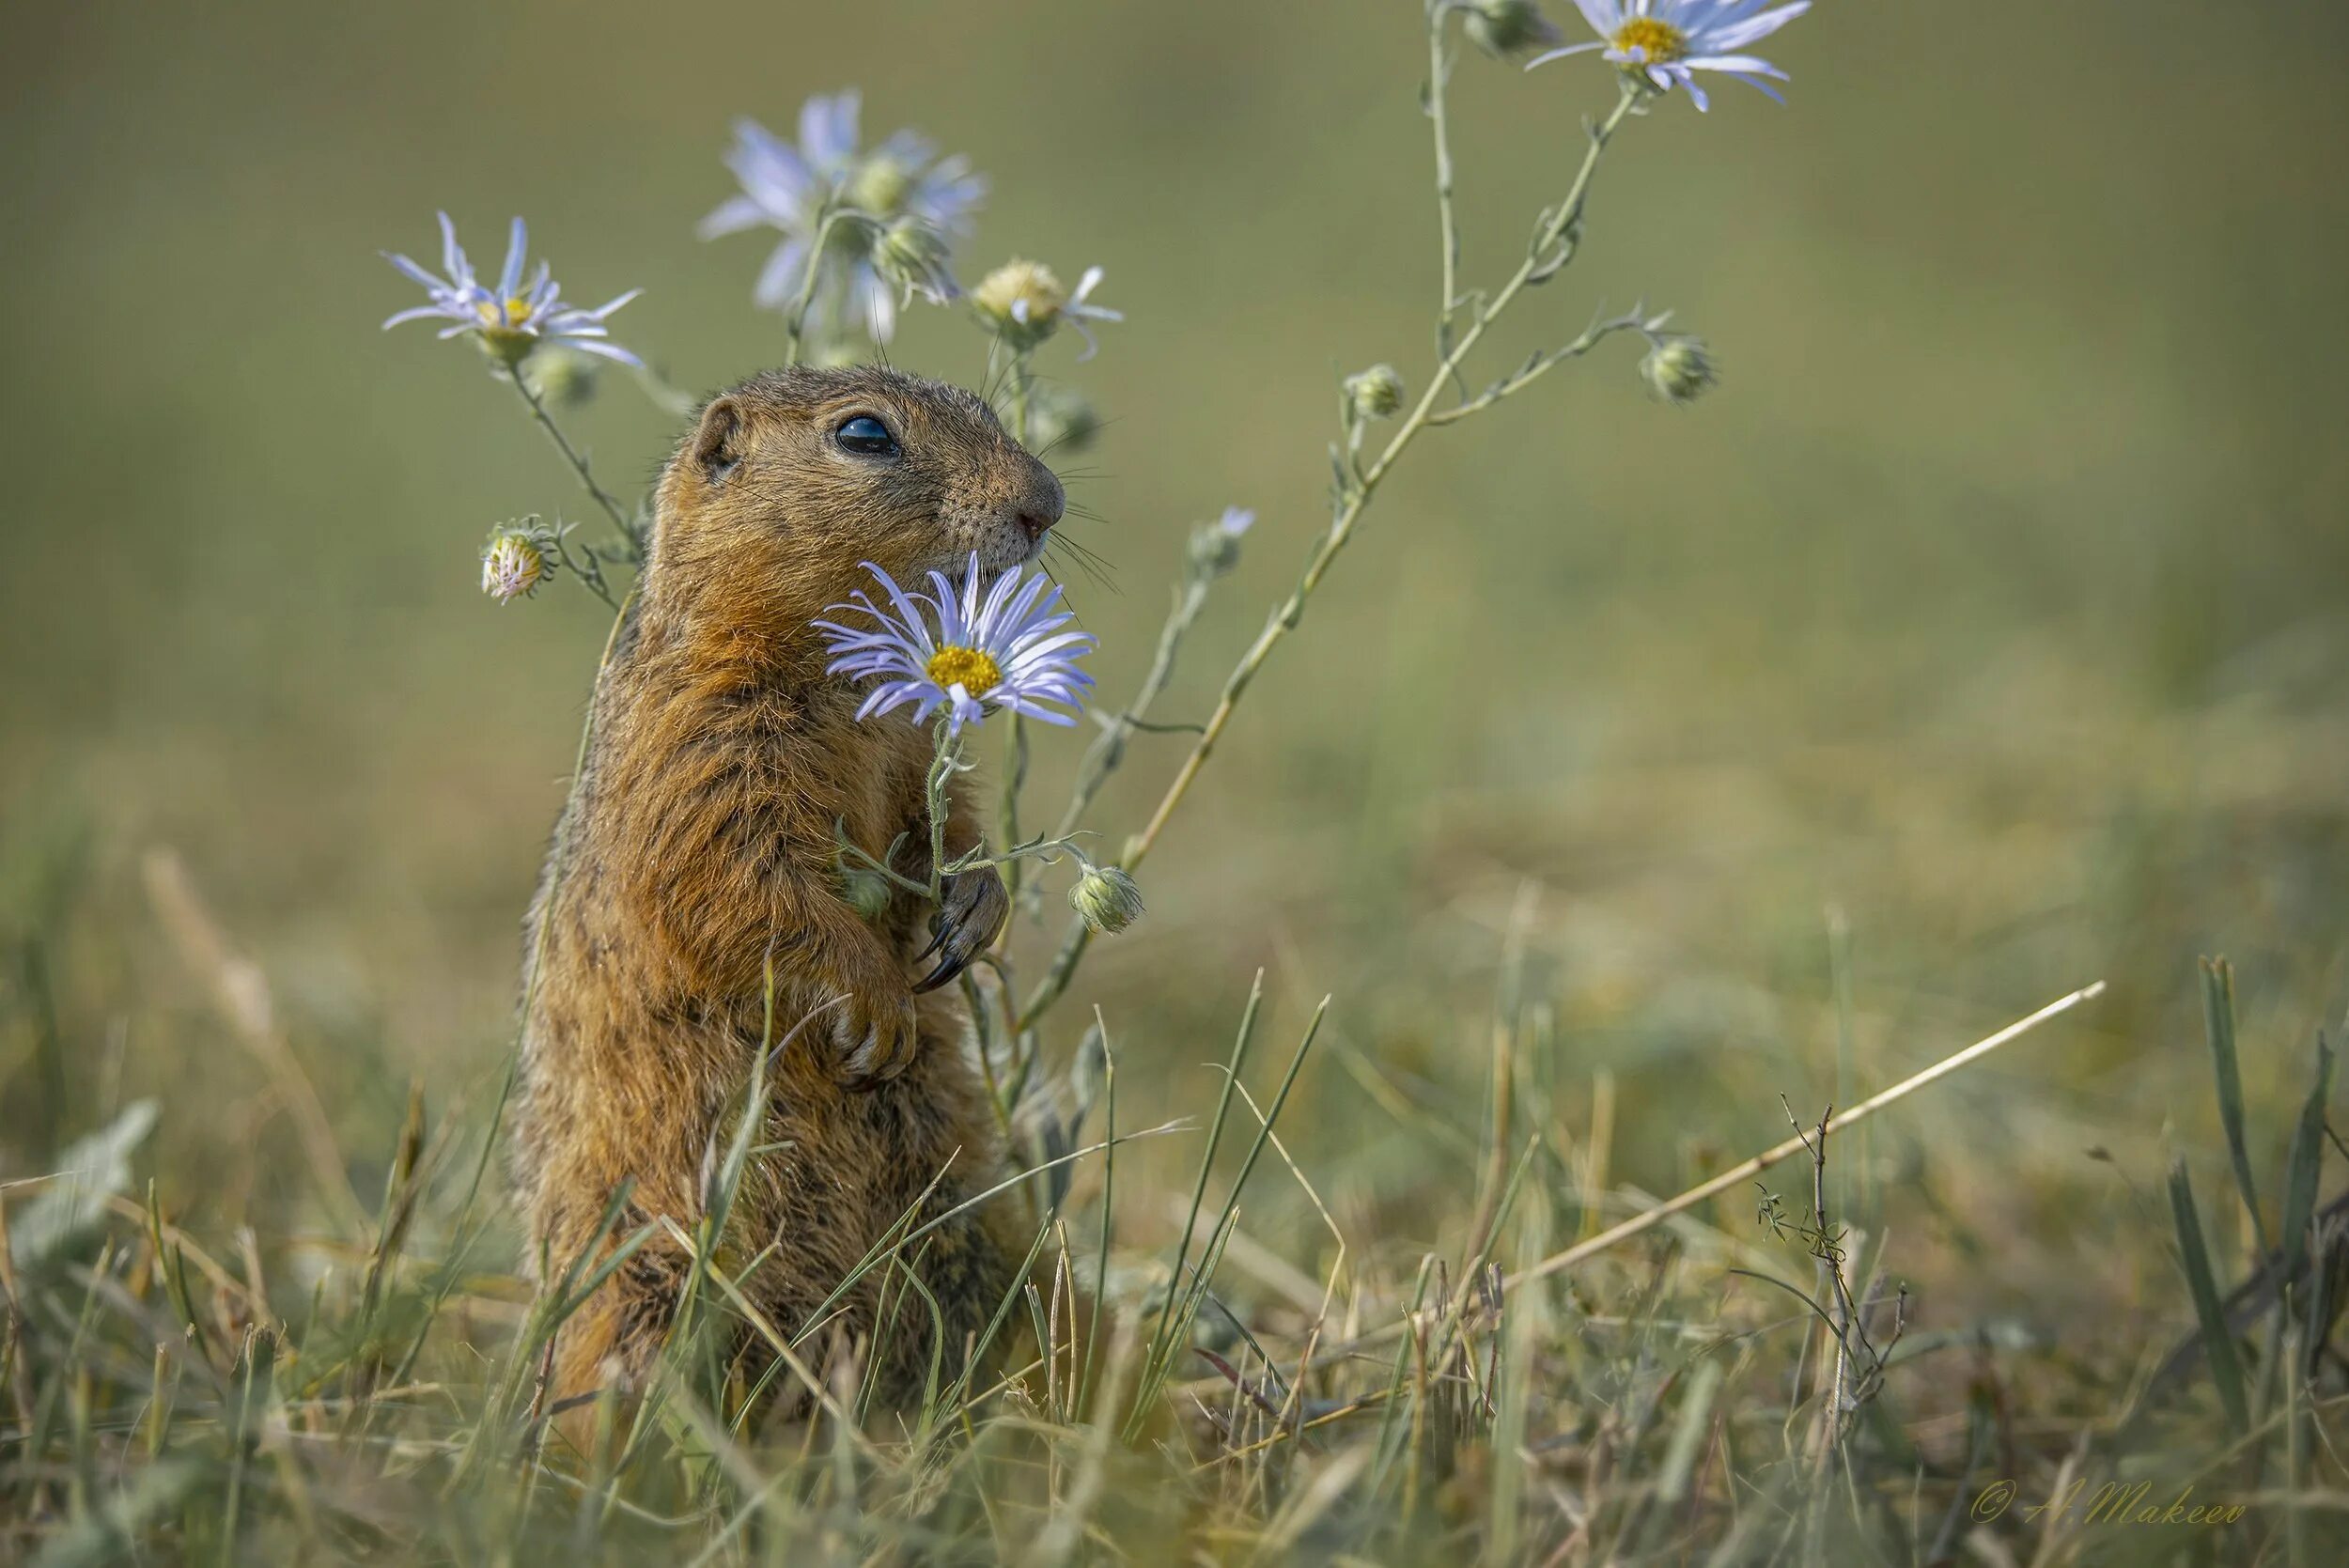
(719, 440)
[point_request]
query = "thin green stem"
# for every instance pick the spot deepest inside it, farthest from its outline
(795, 325)
(1438, 78)
(571, 454)
(1538, 366)
(1108, 748)
(1007, 809)
(942, 766)
(1333, 542)
(1015, 748)
(1553, 246)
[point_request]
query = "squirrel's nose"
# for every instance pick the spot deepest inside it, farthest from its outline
(1043, 506)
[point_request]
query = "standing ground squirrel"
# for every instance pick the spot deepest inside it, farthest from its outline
(701, 840)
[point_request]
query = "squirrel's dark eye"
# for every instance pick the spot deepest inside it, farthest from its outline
(867, 437)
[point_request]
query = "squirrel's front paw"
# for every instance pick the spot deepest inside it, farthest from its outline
(968, 918)
(874, 1036)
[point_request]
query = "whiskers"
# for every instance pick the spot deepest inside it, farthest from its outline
(1061, 552)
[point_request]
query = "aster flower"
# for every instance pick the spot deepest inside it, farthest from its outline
(970, 650)
(1024, 303)
(513, 319)
(1666, 41)
(787, 187)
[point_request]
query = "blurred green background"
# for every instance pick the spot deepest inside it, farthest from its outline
(1995, 600)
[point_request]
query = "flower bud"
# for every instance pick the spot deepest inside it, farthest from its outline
(911, 256)
(1060, 418)
(1678, 370)
(514, 563)
(1107, 898)
(1504, 28)
(1374, 393)
(864, 889)
(1022, 302)
(563, 377)
(1215, 546)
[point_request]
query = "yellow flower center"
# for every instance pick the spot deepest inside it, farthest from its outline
(505, 317)
(972, 669)
(1658, 41)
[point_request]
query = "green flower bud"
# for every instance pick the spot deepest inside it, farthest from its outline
(1678, 370)
(563, 377)
(1215, 546)
(1060, 418)
(1107, 898)
(1504, 28)
(1374, 393)
(912, 257)
(864, 889)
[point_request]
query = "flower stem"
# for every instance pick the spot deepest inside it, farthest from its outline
(1438, 78)
(795, 325)
(571, 454)
(941, 770)
(1349, 513)
(1108, 750)
(1553, 246)
(1015, 748)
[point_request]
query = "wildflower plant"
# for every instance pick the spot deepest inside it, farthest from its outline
(1666, 42)
(862, 233)
(515, 318)
(861, 230)
(962, 655)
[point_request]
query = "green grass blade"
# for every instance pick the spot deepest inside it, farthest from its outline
(2305, 1166)
(2226, 1367)
(2219, 1025)
(1207, 1163)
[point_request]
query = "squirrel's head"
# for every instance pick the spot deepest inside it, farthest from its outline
(790, 480)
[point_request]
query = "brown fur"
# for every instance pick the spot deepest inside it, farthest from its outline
(701, 837)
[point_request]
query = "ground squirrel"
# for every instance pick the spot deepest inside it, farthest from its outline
(701, 838)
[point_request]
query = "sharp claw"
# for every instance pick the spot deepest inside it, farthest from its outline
(945, 929)
(951, 966)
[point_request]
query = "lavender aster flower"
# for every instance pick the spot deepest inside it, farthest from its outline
(512, 319)
(962, 651)
(787, 187)
(1666, 41)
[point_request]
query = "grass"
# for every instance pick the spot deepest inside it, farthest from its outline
(1739, 1374)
